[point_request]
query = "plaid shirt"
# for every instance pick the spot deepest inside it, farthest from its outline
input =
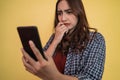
(89, 64)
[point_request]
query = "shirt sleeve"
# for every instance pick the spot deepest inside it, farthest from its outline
(49, 42)
(95, 59)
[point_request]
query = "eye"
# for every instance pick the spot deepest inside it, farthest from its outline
(69, 11)
(59, 12)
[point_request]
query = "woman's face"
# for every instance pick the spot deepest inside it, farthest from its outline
(65, 15)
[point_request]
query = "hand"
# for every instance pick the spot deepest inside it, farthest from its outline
(60, 30)
(42, 68)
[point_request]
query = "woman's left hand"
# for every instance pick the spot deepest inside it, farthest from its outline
(44, 69)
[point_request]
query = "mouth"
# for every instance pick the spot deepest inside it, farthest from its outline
(66, 24)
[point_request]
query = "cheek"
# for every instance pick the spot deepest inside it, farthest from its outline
(74, 20)
(59, 18)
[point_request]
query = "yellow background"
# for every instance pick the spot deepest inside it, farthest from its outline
(102, 14)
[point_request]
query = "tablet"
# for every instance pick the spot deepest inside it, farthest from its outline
(27, 33)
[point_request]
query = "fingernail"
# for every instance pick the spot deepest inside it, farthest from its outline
(31, 42)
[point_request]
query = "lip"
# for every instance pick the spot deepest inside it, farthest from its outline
(67, 24)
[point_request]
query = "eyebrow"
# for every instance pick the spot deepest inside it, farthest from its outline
(68, 10)
(64, 10)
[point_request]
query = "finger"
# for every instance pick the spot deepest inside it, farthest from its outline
(30, 71)
(28, 66)
(31, 61)
(64, 29)
(36, 51)
(60, 24)
(47, 56)
(61, 28)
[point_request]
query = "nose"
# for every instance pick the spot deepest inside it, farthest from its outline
(63, 17)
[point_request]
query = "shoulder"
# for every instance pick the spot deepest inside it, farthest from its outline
(96, 43)
(97, 37)
(96, 47)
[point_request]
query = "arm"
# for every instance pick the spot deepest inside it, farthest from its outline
(51, 48)
(95, 59)
(42, 68)
(59, 33)
(64, 77)
(47, 70)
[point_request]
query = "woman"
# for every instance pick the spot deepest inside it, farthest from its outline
(73, 52)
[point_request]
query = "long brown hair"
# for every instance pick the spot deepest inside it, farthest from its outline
(80, 36)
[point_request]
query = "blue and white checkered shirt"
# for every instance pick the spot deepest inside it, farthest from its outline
(88, 65)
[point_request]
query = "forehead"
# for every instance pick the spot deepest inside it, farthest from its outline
(63, 5)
